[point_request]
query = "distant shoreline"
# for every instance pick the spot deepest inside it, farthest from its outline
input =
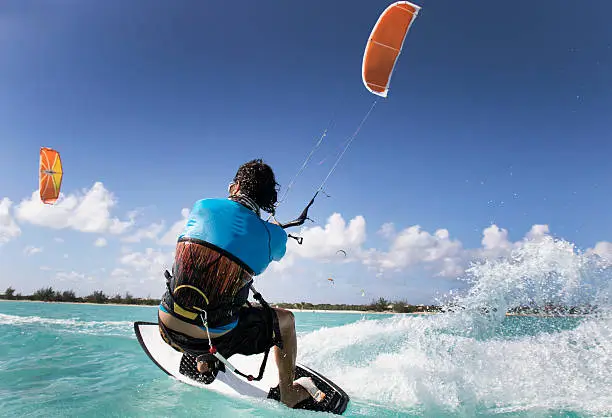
(358, 312)
(539, 315)
(79, 303)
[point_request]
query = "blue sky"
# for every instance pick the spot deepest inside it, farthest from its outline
(496, 116)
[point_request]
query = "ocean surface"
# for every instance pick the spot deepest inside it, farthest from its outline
(84, 360)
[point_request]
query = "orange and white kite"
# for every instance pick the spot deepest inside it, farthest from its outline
(50, 176)
(385, 45)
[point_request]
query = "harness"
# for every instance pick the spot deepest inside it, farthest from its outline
(225, 307)
(213, 358)
(194, 285)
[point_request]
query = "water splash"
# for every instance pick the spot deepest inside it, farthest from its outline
(72, 325)
(472, 359)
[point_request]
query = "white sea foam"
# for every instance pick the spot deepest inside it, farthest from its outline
(69, 325)
(458, 361)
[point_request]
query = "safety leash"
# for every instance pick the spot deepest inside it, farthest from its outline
(213, 350)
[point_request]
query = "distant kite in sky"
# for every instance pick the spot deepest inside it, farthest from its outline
(50, 175)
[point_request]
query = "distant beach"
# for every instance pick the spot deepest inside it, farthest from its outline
(348, 311)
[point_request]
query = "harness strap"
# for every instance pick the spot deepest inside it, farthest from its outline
(272, 334)
(192, 315)
(279, 343)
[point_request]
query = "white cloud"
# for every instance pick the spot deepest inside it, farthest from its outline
(336, 235)
(603, 249)
(149, 265)
(537, 232)
(387, 230)
(171, 236)
(100, 242)
(31, 250)
(87, 212)
(58, 240)
(413, 246)
(8, 227)
(323, 243)
(71, 276)
(410, 248)
(495, 242)
(149, 233)
(119, 272)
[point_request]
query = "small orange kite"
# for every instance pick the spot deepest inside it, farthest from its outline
(50, 178)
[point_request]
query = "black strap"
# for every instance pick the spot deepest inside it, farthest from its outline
(277, 340)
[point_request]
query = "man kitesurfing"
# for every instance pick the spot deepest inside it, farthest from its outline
(205, 313)
(223, 245)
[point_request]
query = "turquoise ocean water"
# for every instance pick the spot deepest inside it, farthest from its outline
(84, 360)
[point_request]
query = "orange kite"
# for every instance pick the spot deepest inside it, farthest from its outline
(50, 178)
(385, 44)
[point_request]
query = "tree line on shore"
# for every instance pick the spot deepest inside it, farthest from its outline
(48, 294)
(376, 305)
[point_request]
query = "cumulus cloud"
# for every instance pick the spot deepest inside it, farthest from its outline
(31, 250)
(72, 277)
(169, 238)
(149, 264)
(119, 272)
(100, 242)
(603, 249)
(322, 243)
(150, 232)
(86, 212)
(387, 230)
(155, 232)
(8, 227)
(495, 242)
(537, 232)
(409, 248)
(413, 246)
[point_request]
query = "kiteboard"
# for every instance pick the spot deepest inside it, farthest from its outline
(182, 367)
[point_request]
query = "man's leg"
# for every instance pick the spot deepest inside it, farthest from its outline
(285, 359)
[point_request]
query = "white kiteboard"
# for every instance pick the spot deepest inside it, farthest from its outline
(182, 367)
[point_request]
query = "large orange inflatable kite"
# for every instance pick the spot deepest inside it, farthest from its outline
(385, 45)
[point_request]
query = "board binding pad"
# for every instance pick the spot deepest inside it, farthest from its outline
(182, 367)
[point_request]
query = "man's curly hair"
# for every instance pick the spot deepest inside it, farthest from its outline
(257, 181)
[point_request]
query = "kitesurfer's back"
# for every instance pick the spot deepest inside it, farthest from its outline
(225, 243)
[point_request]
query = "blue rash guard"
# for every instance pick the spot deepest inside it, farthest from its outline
(235, 229)
(238, 230)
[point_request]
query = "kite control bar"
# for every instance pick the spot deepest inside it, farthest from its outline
(299, 220)
(303, 216)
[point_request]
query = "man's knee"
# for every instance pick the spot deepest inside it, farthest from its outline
(286, 320)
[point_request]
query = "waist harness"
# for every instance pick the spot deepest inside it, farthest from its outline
(208, 278)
